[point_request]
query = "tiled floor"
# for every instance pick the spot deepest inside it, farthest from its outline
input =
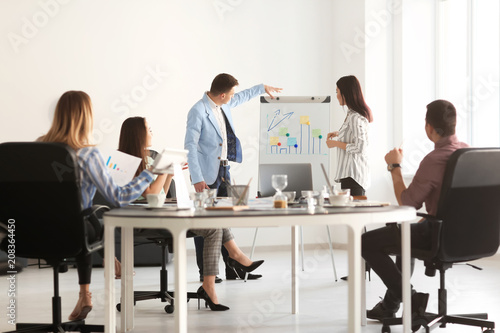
(262, 305)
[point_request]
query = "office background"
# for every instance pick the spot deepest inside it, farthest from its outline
(155, 58)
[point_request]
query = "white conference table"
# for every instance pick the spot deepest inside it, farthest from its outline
(179, 222)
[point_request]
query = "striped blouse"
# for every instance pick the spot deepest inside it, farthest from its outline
(353, 162)
(95, 176)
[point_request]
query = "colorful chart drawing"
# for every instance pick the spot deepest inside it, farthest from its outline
(274, 140)
(282, 131)
(111, 165)
(291, 141)
(277, 119)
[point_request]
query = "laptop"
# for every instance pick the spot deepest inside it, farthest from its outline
(299, 178)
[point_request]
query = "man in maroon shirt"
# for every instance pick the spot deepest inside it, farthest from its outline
(379, 244)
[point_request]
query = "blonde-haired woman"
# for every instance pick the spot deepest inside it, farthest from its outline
(72, 125)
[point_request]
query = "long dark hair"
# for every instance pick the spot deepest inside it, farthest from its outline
(350, 90)
(133, 140)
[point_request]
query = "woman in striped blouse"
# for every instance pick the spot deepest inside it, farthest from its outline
(352, 137)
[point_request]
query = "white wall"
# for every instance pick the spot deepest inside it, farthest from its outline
(155, 58)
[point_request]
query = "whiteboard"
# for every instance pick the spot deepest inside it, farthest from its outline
(293, 129)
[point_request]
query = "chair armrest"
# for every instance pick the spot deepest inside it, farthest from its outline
(429, 217)
(435, 234)
(94, 210)
(90, 215)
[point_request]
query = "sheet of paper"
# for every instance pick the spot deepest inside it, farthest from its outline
(121, 166)
(165, 161)
(253, 203)
(181, 189)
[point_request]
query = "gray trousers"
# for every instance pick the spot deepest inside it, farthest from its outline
(213, 240)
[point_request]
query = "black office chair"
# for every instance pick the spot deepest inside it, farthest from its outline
(163, 239)
(40, 199)
(466, 227)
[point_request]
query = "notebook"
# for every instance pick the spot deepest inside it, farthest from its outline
(299, 178)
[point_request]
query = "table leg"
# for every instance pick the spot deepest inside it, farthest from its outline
(127, 280)
(363, 292)
(251, 252)
(179, 237)
(302, 248)
(406, 275)
(295, 278)
(109, 272)
(354, 281)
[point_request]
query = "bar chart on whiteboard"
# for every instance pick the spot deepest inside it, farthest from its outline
(293, 129)
(299, 138)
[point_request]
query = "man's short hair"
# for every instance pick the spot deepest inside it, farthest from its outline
(442, 116)
(222, 84)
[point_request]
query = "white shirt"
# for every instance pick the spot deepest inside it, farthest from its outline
(353, 162)
(217, 111)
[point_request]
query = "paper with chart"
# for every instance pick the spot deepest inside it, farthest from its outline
(122, 167)
(293, 129)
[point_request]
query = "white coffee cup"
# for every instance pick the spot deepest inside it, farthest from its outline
(340, 197)
(339, 200)
(156, 200)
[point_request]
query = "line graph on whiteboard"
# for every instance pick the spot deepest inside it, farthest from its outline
(293, 133)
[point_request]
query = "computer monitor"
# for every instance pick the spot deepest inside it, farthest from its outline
(299, 178)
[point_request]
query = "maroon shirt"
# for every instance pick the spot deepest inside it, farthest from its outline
(426, 185)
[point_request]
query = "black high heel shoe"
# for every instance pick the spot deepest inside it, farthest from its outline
(214, 307)
(247, 269)
(233, 273)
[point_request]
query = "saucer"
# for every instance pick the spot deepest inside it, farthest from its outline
(348, 204)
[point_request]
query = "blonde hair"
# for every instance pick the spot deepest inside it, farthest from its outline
(73, 120)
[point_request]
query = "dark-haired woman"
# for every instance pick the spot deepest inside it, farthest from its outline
(135, 139)
(352, 137)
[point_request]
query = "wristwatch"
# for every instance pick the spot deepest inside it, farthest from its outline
(391, 167)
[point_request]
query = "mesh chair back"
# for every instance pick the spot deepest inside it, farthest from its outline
(470, 205)
(40, 192)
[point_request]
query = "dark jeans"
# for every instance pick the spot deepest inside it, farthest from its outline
(221, 187)
(84, 261)
(349, 183)
(377, 247)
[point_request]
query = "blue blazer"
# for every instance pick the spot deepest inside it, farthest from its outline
(203, 137)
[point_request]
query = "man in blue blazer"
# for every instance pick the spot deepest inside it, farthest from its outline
(212, 143)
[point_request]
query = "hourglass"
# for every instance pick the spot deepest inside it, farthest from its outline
(279, 183)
